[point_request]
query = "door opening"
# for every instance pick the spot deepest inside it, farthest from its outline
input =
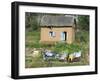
(63, 36)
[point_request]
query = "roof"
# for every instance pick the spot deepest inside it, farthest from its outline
(58, 20)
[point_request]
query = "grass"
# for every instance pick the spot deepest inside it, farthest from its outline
(32, 62)
(32, 39)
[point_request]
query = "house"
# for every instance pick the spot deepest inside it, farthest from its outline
(55, 28)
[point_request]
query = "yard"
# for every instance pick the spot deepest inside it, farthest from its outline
(36, 60)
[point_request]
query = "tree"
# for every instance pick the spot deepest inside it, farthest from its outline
(83, 22)
(31, 21)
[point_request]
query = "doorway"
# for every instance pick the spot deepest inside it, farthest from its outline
(63, 36)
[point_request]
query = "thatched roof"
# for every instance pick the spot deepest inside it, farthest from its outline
(58, 20)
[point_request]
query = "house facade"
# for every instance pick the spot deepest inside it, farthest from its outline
(57, 28)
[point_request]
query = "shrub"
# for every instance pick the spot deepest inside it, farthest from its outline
(61, 47)
(82, 36)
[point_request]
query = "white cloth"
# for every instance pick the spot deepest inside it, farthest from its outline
(49, 54)
(78, 54)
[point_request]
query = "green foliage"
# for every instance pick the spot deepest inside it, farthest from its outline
(74, 48)
(61, 47)
(82, 36)
(83, 22)
(31, 21)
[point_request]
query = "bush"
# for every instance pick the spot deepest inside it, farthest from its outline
(61, 47)
(82, 36)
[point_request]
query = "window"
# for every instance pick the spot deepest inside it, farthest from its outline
(52, 34)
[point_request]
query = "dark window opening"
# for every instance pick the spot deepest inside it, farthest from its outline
(52, 34)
